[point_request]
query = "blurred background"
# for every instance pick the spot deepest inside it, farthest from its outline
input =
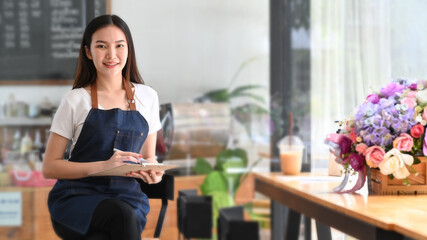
(228, 73)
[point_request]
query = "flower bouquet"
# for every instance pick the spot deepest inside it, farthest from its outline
(386, 132)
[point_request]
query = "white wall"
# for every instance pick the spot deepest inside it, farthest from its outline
(187, 47)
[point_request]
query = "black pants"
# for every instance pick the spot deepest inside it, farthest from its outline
(112, 219)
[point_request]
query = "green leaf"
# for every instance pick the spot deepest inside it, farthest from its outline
(232, 163)
(202, 166)
(220, 200)
(220, 95)
(249, 108)
(406, 182)
(234, 155)
(214, 181)
(416, 161)
(245, 88)
(249, 95)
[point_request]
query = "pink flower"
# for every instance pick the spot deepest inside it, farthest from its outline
(417, 131)
(425, 113)
(391, 89)
(356, 161)
(361, 148)
(374, 156)
(411, 94)
(373, 98)
(404, 142)
(410, 102)
(353, 136)
(345, 145)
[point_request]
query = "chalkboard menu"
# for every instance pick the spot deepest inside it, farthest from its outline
(40, 39)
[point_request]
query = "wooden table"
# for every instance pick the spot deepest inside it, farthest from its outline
(360, 215)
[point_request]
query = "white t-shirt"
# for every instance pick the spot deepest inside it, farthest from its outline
(75, 106)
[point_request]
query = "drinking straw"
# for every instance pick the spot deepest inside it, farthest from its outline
(290, 128)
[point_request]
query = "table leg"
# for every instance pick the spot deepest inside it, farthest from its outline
(283, 216)
(307, 228)
(278, 219)
(389, 235)
(323, 231)
(293, 223)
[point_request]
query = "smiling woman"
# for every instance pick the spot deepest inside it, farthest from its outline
(99, 115)
(108, 52)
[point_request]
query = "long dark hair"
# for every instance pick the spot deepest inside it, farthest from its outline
(86, 71)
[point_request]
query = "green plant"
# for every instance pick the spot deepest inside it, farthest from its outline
(224, 179)
(242, 113)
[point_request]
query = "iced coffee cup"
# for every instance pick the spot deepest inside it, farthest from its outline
(291, 154)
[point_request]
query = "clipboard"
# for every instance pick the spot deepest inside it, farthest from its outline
(122, 170)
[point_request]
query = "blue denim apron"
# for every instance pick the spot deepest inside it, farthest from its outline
(72, 202)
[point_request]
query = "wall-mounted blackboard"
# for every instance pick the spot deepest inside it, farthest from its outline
(40, 39)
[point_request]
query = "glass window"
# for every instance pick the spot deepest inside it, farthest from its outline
(357, 47)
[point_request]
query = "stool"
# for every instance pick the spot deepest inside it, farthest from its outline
(194, 215)
(231, 225)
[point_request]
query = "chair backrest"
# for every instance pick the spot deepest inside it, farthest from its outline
(163, 190)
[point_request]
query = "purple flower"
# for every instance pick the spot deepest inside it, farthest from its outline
(391, 89)
(387, 140)
(357, 162)
(373, 98)
(387, 102)
(345, 145)
(413, 86)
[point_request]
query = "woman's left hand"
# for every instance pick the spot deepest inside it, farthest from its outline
(150, 177)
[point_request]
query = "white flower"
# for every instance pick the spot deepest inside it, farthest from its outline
(397, 106)
(418, 118)
(404, 107)
(420, 86)
(394, 163)
(422, 96)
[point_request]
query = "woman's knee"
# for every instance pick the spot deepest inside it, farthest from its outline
(113, 213)
(121, 209)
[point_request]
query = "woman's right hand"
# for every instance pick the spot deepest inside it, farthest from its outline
(121, 157)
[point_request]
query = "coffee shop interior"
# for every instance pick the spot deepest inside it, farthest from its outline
(239, 82)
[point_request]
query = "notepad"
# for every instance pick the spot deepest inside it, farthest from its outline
(127, 168)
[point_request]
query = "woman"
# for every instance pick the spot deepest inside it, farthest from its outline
(108, 108)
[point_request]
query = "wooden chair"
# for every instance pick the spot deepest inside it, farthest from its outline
(163, 190)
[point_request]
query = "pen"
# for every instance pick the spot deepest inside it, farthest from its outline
(141, 160)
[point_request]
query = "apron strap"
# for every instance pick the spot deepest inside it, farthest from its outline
(129, 95)
(94, 95)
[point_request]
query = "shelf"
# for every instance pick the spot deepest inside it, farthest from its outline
(25, 121)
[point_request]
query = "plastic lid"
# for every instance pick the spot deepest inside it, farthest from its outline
(285, 143)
